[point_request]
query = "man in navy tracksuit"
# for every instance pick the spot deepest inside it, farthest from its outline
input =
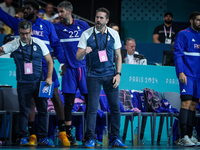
(187, 58)
(28, 53)
(45, 31)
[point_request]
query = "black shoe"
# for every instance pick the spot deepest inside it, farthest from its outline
(72, 140)
(97, 143)
(84, 141)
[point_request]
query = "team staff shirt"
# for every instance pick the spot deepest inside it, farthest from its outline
(187, 53)
(39, 50)
(41, 29)
(95, 68)
(69, 36)
(160, 30)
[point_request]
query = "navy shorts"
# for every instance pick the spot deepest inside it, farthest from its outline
(54, 76)
(192, 88)
(74, 78)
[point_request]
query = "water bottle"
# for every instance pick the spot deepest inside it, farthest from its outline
(56, 135)
(136, 136)
(73, 132)
(170, 137)
(105, 137)
(142, 142)
(194, 132)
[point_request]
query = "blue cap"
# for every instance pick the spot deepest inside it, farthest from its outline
(41, 11)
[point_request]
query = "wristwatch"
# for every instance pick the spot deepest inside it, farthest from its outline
(119, 73)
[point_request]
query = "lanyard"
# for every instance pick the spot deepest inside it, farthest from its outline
(127, 56)
(96, 39)
(26, 50)
(170, 32)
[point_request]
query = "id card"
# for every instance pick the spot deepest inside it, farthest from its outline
(28, 68)
(103, 56)
(168, 41)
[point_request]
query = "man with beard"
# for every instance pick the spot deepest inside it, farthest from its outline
(165, 33)
(186, 59)
(69, 31)
(45, 31)
(28, 52)
(97, 44)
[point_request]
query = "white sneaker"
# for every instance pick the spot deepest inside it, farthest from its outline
(195, 141)
(186, 142)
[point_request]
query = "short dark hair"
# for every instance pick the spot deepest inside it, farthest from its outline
(102, 9)
(33, 3)
(168, 13)
(8, 38)
(49, 3)
(66, 5)
(193, 15)
(112, 24)
(25, 25)
(127, 40)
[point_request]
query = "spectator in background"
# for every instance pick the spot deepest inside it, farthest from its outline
(129, 55)
(41, 14)
(166, 32)
(6, 6)
(116, 28)
(48, 15)
(20, 12)
(56, 18)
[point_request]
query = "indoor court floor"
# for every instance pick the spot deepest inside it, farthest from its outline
(147, 146)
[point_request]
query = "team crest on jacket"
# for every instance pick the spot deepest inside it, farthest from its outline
(34, 48)
(41, 28)
(108, 37)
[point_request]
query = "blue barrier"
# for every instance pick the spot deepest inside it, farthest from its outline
(152, 51)
(159, 78)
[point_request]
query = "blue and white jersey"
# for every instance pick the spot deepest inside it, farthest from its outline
(41, 29)
(95, 68)
(69, 37)
(39, 50)
(187, 53)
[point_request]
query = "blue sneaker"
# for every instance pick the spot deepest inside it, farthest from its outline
(90, 144)
(118, 143)
(46, 142)
(24, 141)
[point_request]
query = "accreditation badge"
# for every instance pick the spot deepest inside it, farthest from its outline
(168, 41)
(103, 56)
(28, 68)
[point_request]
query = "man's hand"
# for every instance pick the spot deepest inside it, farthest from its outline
(116, 80)
(88, 50)
(2, 52)
(183, 78)
(48, 81)
(63, 70)
(1, 49)
(16, 16)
